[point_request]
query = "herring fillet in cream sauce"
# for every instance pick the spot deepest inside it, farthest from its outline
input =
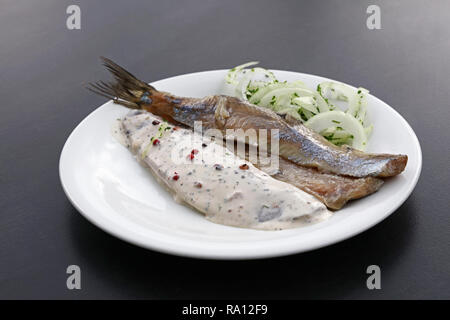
(208, 177)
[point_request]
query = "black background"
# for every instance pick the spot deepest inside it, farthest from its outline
(43, 66)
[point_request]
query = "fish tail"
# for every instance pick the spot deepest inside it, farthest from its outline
(126, 90)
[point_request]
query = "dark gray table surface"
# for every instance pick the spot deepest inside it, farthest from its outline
(43, 66)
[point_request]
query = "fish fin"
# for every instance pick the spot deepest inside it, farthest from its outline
(126, 90)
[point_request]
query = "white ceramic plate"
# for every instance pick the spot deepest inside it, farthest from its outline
(106, 184)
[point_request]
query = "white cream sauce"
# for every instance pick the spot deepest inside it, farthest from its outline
(211, 179)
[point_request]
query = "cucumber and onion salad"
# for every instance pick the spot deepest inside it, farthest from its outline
(312, 107)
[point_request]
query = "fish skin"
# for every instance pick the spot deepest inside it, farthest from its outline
(332, 190)
(298, 144)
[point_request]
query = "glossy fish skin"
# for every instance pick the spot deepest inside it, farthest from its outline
(332, 190)
(297, 144)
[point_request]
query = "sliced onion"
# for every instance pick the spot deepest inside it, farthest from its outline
(357, 99)
(357, 106)
(259, 86)
(233, 76)
(256, 98)
(306, 102)
(335, 91)
(252, 80)
(335, 118)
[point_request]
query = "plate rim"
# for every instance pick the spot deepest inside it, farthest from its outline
(134, 239)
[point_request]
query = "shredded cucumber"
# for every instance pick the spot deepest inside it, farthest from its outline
(313, 107)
